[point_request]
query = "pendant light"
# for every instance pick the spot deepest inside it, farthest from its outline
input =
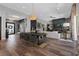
(33, 16)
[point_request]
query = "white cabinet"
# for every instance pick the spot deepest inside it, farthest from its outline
(53, 34)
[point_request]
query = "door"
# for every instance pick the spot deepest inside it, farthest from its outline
(0, 28)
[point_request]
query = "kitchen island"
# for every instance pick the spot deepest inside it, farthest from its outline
(35, 38)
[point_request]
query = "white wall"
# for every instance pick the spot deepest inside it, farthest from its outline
(3, 16)
(3, 29)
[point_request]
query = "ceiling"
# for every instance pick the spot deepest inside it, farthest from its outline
(44, 11)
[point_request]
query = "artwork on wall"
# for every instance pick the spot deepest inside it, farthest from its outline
(10, 28)
(49, 27)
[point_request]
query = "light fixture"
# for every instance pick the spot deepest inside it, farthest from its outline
(33, 16)
(58, 8)
(23, 7)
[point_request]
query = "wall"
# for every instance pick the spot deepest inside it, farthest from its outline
(3, 16)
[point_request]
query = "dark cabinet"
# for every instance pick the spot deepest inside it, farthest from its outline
(36, 38)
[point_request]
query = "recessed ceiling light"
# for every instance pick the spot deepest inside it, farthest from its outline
(23, 7)
(58, 8)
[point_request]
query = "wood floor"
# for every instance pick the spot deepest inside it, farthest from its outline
(14, 46)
